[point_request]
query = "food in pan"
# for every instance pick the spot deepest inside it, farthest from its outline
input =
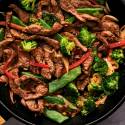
(60, 57)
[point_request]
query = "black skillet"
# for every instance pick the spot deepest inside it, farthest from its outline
(113, 102)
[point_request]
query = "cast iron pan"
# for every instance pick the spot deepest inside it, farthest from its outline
(112, 103)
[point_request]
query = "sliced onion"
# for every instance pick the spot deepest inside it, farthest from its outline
(109, 17)
(47, 49)
(12, 97)
(107, 7)
(66, 63)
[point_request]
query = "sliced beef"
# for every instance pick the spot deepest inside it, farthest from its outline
(68, 7)
(23, 15)
(34, 105)
(37, 29)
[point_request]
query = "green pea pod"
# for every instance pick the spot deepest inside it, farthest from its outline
(92, 11)
(16, 20)
(64, 80)
(2, 34)
(54, 100)
(55, 116)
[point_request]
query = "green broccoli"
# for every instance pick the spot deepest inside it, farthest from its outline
(49, 18)
(93, 87)
(110, 83)
(72, 90)
(86, 38)
(118, 55)
(66, 46)
(100, 66)
(89, 106)
(28, 45)
(28, 5)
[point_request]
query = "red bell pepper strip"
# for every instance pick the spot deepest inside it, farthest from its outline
(79, 62)
(117, 44)
(10, 75)
(41, 65)
(12, 25)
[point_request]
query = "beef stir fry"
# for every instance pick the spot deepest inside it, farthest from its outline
(60, 57)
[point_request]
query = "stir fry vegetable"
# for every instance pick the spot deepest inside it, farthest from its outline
(17, 21)
(66, 46)
(28, 45)
(55, 116)
(86, 38)
(92, 11)
(110, 83)
(118, 55)
(54, 100)
(64, 80)
(89, 106)
(100, 66)
(28, 5)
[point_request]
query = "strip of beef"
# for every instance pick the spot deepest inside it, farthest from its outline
(5, 42)
(28, 87)
(52, 42)
(42, 56)
(68, 7)
(37, 29)
(40, 5)
(23, 15)
(34, 105)
(108, 23)
(47, 72)
(71, 37)
(87, 65)
(8, 20)
(82, 82)
(23, 58)
(57, 11)
(8, 58)
(38, 54)
(110, 37)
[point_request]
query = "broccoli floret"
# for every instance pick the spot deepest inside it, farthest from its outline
(93, 87)
(28, 5)
(72, 90)
(66, 46)
(49, 18)
(89, 106)
(28, 45)
(100, 66)
(110, 83)
(118, 55)
(86, 38)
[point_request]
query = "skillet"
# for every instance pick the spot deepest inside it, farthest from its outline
(112, 103)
